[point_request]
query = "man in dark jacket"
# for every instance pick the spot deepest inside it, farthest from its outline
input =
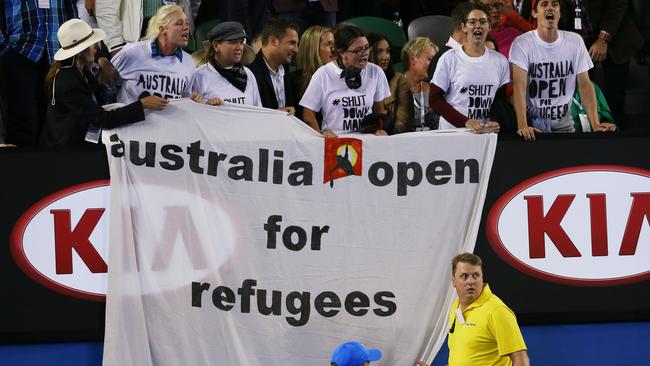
(614, 40)
(279, 46)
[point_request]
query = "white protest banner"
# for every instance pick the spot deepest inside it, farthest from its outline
(239, 236)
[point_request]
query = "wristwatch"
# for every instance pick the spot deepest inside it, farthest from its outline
(604, 36)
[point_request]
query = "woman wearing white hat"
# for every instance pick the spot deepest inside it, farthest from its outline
(74, 91)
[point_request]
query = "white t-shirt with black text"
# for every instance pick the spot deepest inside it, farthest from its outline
(210, 84)
(470, 83)
(143, 75)
(552, 74)
(344, 108)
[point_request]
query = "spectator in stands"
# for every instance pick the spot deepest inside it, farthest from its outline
(613, 38)
(510, 16)
(457, 37)
(222, 76)
(74, 90)
(347, 89)
(157, 65)
(547, 64)
(398, 105)
(502, 31)
(467, 79)
(305, 13)
(279, 46)
(27, 47)
(416, 57)
(125, 21)
(316, 49)
(580, 119)
(354, 354)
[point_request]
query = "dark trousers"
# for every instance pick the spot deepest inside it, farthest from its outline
(615, 76)
(24, 89)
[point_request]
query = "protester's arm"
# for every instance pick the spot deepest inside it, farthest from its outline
(520, 78)
(310, 118)
(450, 114)
(520, 358)
(378, 108)
(107, 13)
(439, 104)
(589, 103)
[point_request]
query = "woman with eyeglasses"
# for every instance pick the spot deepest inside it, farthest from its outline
(467, 78)
(347, 89)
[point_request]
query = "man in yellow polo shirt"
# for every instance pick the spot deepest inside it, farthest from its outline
(483, 331)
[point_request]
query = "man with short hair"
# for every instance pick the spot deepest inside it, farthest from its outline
(457, 37)
(279, 46)
(547, 63)
(483, 331)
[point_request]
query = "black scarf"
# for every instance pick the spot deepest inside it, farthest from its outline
(236, 75)
(352, 76)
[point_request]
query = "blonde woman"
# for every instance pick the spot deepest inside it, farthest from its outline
(316, 47)
(416, 57)
(158, 65)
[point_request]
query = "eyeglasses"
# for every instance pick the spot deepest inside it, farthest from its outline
(474, 21)
(361, 50)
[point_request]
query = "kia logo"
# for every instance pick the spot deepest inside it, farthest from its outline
(61, 241)
(585, 226)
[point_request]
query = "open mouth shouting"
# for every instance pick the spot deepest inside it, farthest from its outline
(549, 16)
(363, 60)
(478, 33)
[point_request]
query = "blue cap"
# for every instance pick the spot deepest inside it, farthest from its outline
(354, 354)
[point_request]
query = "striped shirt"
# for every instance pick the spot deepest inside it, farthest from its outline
(30, 30)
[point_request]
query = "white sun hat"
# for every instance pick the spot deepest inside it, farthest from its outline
(74, 36)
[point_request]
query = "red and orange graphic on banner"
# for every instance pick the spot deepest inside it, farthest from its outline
(343, 157)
